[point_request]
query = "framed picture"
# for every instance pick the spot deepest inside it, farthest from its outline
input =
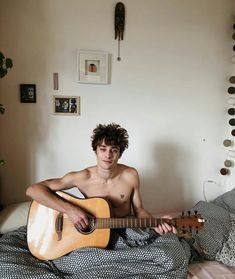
(28, 93)
(92, 67)
(66, 105)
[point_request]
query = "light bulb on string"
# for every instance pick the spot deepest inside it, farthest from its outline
(231, 153)
(232, 122)
(231, 90)
(227, 142)
(228, 163)
(224, 171)
(231, 111)
(231, 101)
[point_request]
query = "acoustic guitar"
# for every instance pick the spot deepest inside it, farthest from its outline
(51, 234)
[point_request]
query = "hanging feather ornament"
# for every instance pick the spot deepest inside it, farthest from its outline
(119, 25)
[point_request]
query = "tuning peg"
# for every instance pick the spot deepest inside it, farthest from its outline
(182, 214)
(189, 213)
(195, 212)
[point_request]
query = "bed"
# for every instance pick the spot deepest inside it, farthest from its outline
(13, 221)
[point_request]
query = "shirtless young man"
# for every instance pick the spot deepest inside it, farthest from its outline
(116, 182)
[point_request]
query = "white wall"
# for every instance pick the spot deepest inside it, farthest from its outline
(169, 92)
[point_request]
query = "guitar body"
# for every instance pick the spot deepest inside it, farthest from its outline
(42, 237)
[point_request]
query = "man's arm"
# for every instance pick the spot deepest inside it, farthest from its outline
(44, 193)
(141, 212)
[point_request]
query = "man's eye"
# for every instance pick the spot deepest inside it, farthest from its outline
(102, 149)
(115, 150)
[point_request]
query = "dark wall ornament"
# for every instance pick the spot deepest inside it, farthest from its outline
(28, 93)
(119, 25)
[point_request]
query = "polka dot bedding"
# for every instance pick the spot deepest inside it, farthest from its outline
(134, 253)
(227, 254)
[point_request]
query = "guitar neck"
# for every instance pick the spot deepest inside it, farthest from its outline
(115, 223)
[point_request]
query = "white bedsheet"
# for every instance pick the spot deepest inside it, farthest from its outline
(210, 270)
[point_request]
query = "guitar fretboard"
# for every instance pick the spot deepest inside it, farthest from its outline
(115, 223)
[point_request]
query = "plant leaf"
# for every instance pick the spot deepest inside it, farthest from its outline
(2, 109)
(3, 72)
(9, 63)
(1, 56)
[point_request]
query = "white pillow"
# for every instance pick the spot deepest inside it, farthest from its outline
(14, 216)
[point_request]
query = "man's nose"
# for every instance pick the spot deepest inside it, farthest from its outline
(108, 154)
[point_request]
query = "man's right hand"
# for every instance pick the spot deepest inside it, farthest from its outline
(78, 217)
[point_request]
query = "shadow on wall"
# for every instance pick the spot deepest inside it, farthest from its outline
(164, 189)
(26, 124)
(20, 144)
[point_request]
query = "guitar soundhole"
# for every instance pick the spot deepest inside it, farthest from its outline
(89, 229)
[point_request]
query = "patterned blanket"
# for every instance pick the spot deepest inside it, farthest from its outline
(134, 253)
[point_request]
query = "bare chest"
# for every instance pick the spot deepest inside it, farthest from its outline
(118, 194)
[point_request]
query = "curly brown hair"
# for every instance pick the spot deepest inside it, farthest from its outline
(112, 134)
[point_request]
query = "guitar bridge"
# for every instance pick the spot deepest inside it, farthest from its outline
(59, 225)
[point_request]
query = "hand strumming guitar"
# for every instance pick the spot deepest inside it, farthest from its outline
(78, 217)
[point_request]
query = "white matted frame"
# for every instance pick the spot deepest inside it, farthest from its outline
(92, 66)
(66, 105)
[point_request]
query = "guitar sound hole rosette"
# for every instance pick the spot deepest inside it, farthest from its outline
(90, 228)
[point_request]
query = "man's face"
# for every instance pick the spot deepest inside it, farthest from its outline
(107, 155)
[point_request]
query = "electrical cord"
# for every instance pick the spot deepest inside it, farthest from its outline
(204, 187)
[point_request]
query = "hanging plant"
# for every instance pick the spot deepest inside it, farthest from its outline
(2, 109)
(5, 65)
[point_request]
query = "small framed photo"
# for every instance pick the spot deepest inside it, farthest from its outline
(92, 67)
(28, 93)
(66, 105)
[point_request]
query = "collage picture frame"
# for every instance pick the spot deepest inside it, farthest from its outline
(66, 105)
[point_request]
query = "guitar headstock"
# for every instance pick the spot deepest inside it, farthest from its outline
(189, 222)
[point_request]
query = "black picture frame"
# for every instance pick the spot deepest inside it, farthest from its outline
(28, 93)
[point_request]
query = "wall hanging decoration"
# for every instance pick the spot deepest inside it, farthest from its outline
(66, 105)
(56, 81)
(92, 67)
(28, 93)
(119, 25)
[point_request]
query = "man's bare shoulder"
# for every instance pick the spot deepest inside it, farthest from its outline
(82, 174)
(127, 168)
(129, 171)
